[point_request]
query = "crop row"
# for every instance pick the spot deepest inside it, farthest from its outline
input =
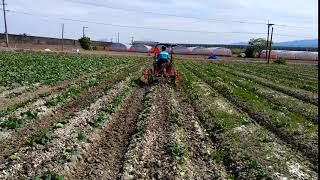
(58, 101)
(22, 100)
(247, 150)
(62, 142)
(299, 71)
(287, 103)
(291, 127)
(64, 111)
(29, 68)
(297, 93)
(287, 79)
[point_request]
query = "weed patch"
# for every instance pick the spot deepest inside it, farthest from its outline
(49, 175)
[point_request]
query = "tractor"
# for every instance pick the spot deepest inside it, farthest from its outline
(162, 71)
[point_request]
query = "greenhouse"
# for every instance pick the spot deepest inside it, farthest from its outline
(140, 48)
(201, 51)
(305, 55)
(118, 47)
(182, 50)
(292, 55)
(218, 51)
(286, 54)
(273, 55)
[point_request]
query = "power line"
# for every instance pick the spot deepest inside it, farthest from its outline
(180, 16)
(162, 14)
(127, 26)
(147, 28)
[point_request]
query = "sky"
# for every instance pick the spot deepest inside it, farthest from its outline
(212, 21)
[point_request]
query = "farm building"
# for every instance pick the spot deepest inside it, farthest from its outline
(182, 50)
(140, 48)
(118, 47)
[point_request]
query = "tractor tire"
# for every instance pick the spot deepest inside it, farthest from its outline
(150, 77)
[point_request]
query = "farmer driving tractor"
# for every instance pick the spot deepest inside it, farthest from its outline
(163, 66)
(163, 59)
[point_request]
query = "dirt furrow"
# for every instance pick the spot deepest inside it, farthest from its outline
(149, 157)
(103, 160)
(13, 144)
(199, 164)
(31, 161)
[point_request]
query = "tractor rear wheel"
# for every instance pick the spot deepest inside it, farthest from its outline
(150, 77)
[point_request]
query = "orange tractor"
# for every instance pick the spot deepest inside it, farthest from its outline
(162, 70)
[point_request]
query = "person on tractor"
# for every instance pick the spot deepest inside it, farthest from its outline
(162, 58)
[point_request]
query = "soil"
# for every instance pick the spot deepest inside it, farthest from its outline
(34, 160)
(104, 158)
(199, 146)
(19, 138)
(150, 160)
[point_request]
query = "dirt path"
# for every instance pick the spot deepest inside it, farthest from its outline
(5, 103)
(150, 160)
(104, 159)
(13, 144)
(199, 145)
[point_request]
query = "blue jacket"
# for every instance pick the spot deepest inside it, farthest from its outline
(163, 55)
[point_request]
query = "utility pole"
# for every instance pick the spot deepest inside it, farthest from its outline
(5, 22)
(83, 29)
(118, 37)
(267, 41)
(270, 47)
(269, 25)
(132, 39)
(62, 37)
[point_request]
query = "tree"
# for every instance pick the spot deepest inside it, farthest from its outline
(250, 51)
(85, 43)
(259, 43)
(23, 37)
(256, 46)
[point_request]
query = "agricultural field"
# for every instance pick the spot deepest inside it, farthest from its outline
(65, 116)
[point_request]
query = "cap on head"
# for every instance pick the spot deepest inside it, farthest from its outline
(163, 48)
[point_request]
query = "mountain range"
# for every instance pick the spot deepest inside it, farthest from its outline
(296, 43)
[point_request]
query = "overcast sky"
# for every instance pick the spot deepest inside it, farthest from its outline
(43, 18)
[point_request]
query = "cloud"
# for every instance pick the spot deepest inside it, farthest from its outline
(292, 12)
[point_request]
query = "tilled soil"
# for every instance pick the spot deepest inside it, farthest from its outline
(103, 160)
(151, 160)
(199, 146)
(19, 138)
(34, 160)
